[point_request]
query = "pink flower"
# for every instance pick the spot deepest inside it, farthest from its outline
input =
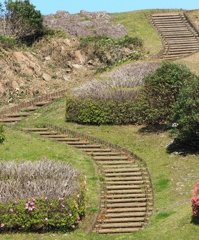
(2, 225)
(74, 175)
(70, 215)
(63, 205)
(78, 195)
(11, 210)
(60, 199)
(30, 209)
(84, 183)
(46, 219)
(33, 199)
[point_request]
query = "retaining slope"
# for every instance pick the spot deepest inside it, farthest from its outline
(179, 36)
(126, 188)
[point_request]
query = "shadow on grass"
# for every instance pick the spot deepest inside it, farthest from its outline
(195, 220)
(154, 128)
(184, 147)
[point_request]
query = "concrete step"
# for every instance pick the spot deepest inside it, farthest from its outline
(93, 150)
(43, 133)
(127, 219)
(40, 104)
(104, 153)
(123, 210)
(123, 178)
(126, 195)
(10, 120)
(102, 158)
(21, 114)
(88, 146)
(117, 170)
(122, 187)
(77, 143)
(65, 139)
(118, 230)
(130, 214)
(31, 108)
(126, 191)
(126, 205)
(54, 135)
(125, 200)
(115, 162)
(123, 182)
(123, 174)
(121, 225)
(35, 129)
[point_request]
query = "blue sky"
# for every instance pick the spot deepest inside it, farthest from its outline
(75, 6)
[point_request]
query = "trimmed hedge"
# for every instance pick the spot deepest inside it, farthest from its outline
(87, 111)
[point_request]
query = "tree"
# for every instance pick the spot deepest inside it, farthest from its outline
(22, 20)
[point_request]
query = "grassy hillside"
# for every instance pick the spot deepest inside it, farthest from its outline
(173, 175)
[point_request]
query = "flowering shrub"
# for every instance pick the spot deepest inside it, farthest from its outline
(195, 200)
(48, 209)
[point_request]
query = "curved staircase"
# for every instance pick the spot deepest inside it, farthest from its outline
(126, 189)
(180, 37)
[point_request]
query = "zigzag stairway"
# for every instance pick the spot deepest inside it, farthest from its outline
(179, 36)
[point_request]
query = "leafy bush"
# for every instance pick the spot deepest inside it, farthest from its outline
(161, 90)
(40, 196)
(2, 136)
(184, 115)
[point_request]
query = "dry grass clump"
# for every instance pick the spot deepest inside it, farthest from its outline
(121, 84)
(45, 178)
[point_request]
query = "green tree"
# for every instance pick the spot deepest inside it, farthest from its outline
(22, 20)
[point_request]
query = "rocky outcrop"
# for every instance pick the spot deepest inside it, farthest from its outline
(85, 24)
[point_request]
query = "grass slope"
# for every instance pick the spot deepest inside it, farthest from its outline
(173, 175)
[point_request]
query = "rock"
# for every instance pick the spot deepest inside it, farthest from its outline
(47, 58)
(46, 77)
(77, 66)
(66, 78)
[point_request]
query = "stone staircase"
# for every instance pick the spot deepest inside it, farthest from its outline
(179, 36)
(17, 113)
(126, 190)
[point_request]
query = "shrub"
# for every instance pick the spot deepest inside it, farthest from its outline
(184, 115)
(160, 92)
(40, 196)
(195, 200)
(2, 136)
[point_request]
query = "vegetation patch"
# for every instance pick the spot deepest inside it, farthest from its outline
(108, 101)
(40, 196)
(2, 136)
(111, 52)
